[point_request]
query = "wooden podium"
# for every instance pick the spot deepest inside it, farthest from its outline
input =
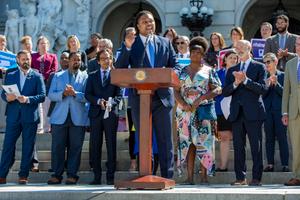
(146, 81)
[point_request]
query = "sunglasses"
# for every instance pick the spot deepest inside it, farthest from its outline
(268, 62)
(178, 43)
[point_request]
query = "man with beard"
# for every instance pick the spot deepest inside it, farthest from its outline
(68, 119)
(21, 115)
(283, 43)
(245, 82)
(149, 50)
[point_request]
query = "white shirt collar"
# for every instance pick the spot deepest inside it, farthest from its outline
(247, 62)
(185, 55)
(144, 38)
(22, 72)
(102, 70)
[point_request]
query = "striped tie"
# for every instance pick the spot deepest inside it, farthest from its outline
(105, 78)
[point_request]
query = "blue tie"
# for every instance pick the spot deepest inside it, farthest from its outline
(151, 53)
(298, 72)
(105, 78)
(242, 66)
(281, 42)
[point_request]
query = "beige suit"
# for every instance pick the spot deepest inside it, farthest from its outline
(291, 106)
(272, 45)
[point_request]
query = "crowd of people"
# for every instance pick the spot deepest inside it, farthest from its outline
(219, 99)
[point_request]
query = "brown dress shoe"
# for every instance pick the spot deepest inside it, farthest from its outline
(255, 182)
(23, 180)
(54, 181)
(71, 181)
(239, 183)
(293, 182)
(2, 180)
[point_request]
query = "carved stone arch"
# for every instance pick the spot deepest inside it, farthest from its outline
(107, 17)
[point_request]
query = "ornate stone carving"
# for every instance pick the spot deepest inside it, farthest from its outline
(12, 30)
(55, 19)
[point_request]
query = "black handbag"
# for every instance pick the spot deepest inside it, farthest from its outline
(207, 111)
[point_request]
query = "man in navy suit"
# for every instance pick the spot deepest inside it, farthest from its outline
(274, 127)
(148, 51)
(21, 116)
(245, 82)
(98, 91)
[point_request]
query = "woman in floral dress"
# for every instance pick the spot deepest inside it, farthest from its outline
(195, 115)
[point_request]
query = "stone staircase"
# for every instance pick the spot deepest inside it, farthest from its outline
(123, 162)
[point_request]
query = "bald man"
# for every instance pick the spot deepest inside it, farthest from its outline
(245, 82)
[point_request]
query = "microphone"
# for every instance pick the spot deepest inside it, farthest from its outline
(145, 48)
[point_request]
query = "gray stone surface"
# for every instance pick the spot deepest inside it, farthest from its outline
(213, 192)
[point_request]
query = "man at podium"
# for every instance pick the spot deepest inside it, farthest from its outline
(152, 51)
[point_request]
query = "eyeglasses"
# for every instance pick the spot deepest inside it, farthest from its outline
(268, 62)
(178, 43)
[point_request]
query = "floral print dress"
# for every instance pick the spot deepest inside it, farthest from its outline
(192, 130)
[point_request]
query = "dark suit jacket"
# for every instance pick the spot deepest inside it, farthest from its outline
(34, 88)
(273, 97)
(165, 56)
(272, 45)
(248, 96)
(93, 66)
(95, 90)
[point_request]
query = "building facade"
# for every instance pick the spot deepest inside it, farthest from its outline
(59, 18)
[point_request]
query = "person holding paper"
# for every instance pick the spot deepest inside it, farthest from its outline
(68, 120)
(224, 126)
(245, 82)
(21, 116)
(104, 99)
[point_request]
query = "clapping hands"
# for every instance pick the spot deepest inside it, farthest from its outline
(69, 91)
(239, 77)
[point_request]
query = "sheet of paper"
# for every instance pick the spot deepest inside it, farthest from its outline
(225, 106)
(12, 89)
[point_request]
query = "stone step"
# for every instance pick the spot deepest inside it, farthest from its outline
(220, 178)
(46, 155)
(124, 164)
(43, 141)
(43, 191)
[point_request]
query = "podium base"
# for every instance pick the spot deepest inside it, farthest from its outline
(148, 182)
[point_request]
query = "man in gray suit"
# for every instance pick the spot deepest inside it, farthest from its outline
(283, 43)
(291, 110)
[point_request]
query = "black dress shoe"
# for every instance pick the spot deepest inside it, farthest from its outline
(95, 182)
(285, 169)
(269, 169)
